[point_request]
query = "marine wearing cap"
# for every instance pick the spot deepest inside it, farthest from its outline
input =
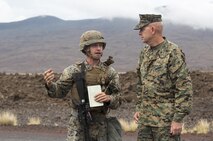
(146, 19)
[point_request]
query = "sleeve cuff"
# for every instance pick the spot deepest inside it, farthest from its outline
(178, 117)
(114, 102)
(46, 86)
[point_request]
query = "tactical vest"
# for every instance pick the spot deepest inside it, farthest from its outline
(94, 76)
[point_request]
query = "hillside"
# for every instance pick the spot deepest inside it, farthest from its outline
(25, 96)
(35, 44)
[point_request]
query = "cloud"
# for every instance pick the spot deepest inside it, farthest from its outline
(188, 12)
(7, 14)
(196, 14)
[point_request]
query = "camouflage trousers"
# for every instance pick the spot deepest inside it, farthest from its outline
(99, 130)
(147, 133)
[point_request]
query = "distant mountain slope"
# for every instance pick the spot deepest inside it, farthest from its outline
(38, 43)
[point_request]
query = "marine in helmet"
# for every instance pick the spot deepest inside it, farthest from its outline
(92, 44)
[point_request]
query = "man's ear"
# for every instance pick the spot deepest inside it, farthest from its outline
(153, 29)
(87, 50)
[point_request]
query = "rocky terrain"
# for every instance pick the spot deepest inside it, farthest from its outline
(25, 96)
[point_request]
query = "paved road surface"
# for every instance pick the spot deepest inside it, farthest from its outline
(34, 133)
(26, 136)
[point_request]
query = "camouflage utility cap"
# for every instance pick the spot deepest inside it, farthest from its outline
(91, 37)
(146, 19)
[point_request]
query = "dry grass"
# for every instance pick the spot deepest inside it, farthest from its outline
(202, 127)
(128, 126)
(34, 121)
(211, 126)
(8, 118)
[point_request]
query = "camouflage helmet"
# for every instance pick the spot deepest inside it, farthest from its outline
(91, 37)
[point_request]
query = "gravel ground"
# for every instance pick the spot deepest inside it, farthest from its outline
(25, 96)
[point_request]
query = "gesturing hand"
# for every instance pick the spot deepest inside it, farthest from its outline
(48, 76)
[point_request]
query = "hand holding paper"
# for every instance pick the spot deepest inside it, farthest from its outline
(96, 96)
(92, 92)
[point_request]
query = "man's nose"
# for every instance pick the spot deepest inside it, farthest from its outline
(140, 31)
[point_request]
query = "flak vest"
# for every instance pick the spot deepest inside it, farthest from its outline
(94, 76)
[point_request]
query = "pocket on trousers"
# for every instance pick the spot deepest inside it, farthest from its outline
(113, 129)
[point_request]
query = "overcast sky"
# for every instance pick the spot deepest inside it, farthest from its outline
(196, 13)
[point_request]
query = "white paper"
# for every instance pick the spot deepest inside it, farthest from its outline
(92, 91)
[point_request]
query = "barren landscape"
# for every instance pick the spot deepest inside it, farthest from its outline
(42, 42)
(25, 96)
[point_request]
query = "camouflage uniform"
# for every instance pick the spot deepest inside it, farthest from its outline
(101, 127)
(98, 126)
(164, 91)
